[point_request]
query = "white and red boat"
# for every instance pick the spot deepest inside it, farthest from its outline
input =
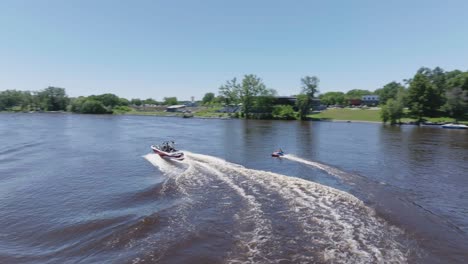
(167, 150)
(277, 154)
(455, 126)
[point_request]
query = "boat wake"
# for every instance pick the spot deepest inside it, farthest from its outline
(344, 176)
(258, 216)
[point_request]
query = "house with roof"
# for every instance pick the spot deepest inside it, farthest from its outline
(370, 100)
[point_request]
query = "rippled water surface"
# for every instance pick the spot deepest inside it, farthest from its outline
(86, 189)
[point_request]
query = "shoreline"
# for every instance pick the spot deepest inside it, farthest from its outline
(180, 115)
(195, 117)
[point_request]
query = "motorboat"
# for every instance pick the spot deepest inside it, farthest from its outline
(278, 153)
(167, 150)
(455, 126)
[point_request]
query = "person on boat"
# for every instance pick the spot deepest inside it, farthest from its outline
(165, 146)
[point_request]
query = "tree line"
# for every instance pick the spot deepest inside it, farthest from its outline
(429, 93)
(258, 101)
(56, 99)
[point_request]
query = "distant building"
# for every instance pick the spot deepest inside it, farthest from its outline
(291, 100)
(175, 108)
(370, 99)
(232, 108)
(188, 103)
(355, 102)
(285, 100)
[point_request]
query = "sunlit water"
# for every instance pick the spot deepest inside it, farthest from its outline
(85, 189)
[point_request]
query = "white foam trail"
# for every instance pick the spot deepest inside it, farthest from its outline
(334, 226)
(328, 169)
(262, 227)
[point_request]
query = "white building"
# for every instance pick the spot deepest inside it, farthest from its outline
(370, 98)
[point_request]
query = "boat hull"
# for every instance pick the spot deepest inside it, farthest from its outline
(277, 154)
(452, 126)
(177, 155)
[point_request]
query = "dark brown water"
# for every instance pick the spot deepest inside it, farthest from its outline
(83, 189)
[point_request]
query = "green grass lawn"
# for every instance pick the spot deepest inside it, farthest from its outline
(346, 114)
(153, 113)
(355, 114)
(208, 112)
(349, 114)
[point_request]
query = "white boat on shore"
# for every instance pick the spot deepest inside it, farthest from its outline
(455, 126)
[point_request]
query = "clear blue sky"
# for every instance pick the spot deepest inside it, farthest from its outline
(183, 48)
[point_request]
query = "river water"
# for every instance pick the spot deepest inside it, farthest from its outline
(85, 189)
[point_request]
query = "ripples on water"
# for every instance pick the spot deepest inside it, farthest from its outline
(278, 218)
(75, 189)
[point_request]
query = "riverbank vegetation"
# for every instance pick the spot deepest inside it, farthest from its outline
(431, 94)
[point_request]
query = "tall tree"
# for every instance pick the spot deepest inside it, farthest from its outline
(303, 105)
(150, 101)
(14, 98)
(420, 93)
(170, 100)
(208, 98)
(124, 101)
(109, 100)
(392, 111)
(390, 90)
(229, 91)
(357, 93)
(457, 103)
(136, 101)
(92, 106)
(438, 79)
(310, 85)
(53, 99)
(252, 87)
(333, 98)
(457, 79)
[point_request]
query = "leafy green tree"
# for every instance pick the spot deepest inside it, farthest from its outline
(91, 106)
(151, 101)
(285, 112)
(263, 104)
(108, 99)
(229, 91)
(252, 87)
(457, 79)
(14, 98)
(420, 94)
(357, 93)
(333, 98)
(392, 111)
(121, 109)
(53, 99)
(457, 103)
(123, 102)
(208, 98)
(438, 80)
(310, 85)
(303, 102)
(77, 103)
(390, 90)
(136, 101)
(170, 100)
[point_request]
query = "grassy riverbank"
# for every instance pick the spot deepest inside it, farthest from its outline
(336, 114)
(368, 115)
(353, 114)
(201, 112)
